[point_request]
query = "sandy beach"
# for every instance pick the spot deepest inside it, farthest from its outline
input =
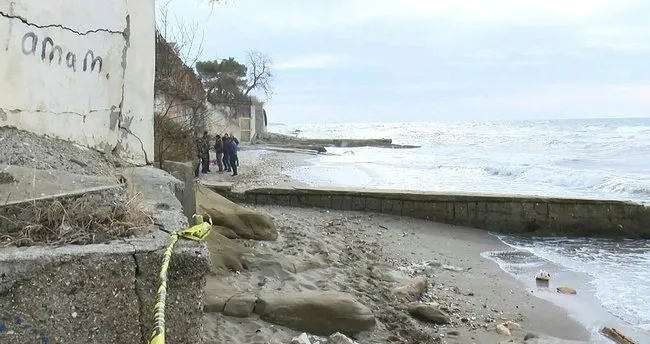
(260, 168)
(349, 252)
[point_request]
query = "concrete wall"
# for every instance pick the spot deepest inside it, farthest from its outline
(260, 122)
(104, 293)
(508, 214)
(80, 70)
(172, 107)
(222, 120)
(184, 171)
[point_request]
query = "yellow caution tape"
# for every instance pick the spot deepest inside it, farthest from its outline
(197, 232)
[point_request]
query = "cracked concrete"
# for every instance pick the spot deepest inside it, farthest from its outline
(142, 311)
(123, 122)
(105, 293)
(3, 114)
(132, 142)
(144, 151)
(60, 26)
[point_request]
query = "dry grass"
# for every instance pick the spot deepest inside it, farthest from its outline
(81, 220)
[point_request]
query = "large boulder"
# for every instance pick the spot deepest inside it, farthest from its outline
(234, 220)
(316, 312)
(226, 255)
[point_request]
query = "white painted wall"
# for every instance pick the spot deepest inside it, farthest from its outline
(219, 122)
(253, 122)
(45, 89)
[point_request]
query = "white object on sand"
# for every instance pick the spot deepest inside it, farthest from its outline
(338, 338)
(543, 275)
(301, 339)
(503, 330)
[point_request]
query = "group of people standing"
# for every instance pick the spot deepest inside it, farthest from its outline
(225, 147)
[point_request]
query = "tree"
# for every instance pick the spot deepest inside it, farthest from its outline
(182, 35)
(259, 73)
(223, 80)
(229, 82)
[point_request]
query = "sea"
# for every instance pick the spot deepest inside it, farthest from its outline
(594, 158)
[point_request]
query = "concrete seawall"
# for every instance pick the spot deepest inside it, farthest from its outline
(527, 215)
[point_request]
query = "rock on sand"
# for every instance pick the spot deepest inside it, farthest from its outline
(339, 338)
(428, 313)
(566, 290)
(503, 330)
(382, 272)
(316, 312)
(233, 220)
(303, 338)
(412, 289)
(240, 306)
(226, 255)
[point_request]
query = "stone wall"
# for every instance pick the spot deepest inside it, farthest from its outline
(508, 214)
(80, 70)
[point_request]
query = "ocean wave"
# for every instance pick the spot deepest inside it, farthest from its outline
(590, 127)
(629, 187)
(504, 171)
(514, 259)
(595, 159)
(627, 129)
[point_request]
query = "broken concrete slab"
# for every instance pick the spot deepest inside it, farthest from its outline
(156, 191)
(22, 183)
(184, 171)
(104, 293)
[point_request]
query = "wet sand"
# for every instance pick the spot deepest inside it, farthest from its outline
(474, 291)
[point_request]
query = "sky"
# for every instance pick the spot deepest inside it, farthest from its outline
(436, 60)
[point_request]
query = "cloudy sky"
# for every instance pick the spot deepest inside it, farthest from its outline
(438, 60)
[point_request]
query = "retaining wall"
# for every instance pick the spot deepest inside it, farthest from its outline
(105, 293)
(508, 214)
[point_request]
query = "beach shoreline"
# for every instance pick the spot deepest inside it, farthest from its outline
(482, 294)
(586, 307)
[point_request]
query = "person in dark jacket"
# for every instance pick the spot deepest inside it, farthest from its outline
(205, 152)
(226, 156)
(199, 156)
(234, 139)
(231, 147)
(218, 148)
(237, 142)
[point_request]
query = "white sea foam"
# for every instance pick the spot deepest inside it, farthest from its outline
(595, 159)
